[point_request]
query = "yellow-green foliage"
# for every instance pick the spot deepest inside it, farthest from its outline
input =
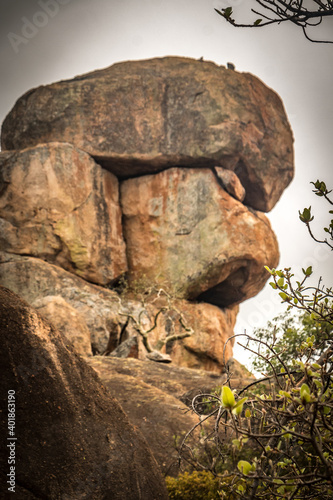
(196, 486)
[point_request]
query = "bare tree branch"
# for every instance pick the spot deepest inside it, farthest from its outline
(281, 11)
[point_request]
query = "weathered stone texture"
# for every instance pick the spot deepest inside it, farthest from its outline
(153, 396)
(143, 116)
(184, 231)
(230, 182)
(40, 283)
(97, 320)
(59, 205)
(75, 441)
(162, 418)
(156, 172)
(210, 327)
(67, 320)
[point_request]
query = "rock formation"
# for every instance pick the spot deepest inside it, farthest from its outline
(181, 227)
(144, 116)
(54, 197)
(131, 204)
(73, 439)
(96, 319)
(153, 396)
(148, 177)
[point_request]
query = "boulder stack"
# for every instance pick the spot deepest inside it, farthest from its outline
(132, 200)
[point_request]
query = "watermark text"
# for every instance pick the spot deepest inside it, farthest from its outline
(30, 27)
(11, 441)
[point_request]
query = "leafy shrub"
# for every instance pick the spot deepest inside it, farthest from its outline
(287, 423)
(201, 485)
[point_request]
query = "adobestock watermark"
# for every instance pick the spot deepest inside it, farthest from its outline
(30, 27)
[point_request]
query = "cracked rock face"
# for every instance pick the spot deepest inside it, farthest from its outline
(59, 205)
(185, 232)
(140, 117)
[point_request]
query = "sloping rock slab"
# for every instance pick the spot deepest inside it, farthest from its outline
(59, 205)
(162, 418)
(153, 396)
(185, 232)
(171, 379)
(74, 440)
(67, 320)
(144, 116)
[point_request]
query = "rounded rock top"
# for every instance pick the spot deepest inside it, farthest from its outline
(141, 117)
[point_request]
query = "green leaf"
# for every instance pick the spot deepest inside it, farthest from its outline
(236, 443)
(238, 408)
(244, 467)
(318, 383)
(280, 282)
(284, 296)
(305, 216)
(308, 271)
(219, 12)
(257, 22)
(227, 12)
(228, 399)
(305, 393)
(285, 394)
(320, 186)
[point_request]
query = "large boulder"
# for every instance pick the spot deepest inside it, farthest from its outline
(46, 286)
(185, 232)
(141, 182)
(209, 347)
(97, 320)
(169, 378)
(57, 204)
(67, 320)
(73, 439)
(144, 116)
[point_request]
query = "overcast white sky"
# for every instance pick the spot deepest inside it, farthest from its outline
(78, 36)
